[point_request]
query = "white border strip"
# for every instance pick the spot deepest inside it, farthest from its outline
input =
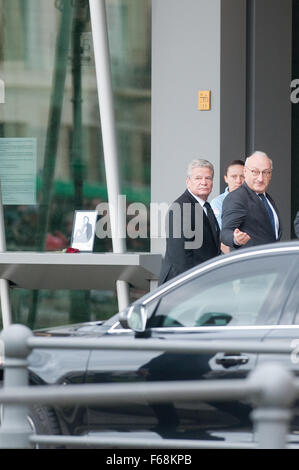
(193, 329)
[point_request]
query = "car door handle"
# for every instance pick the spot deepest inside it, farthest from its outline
(234, 360)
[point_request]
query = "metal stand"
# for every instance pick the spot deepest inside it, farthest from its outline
(15, 429)
(58, 86)
(105, 96)
(272, 412)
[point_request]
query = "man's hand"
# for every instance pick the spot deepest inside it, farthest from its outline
(240, 238)
(225, 249)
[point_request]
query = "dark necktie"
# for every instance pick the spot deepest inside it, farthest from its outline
(213, 221)
(269, 211)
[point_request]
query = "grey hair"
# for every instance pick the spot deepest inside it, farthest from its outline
(199, 163)
(260, 154)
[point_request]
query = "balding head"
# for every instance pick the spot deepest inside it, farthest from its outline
(258, 171)
(258, 157)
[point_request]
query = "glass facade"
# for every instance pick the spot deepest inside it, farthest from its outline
(48, 69)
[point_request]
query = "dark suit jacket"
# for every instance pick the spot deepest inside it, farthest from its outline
(178, 256)
(243, 209)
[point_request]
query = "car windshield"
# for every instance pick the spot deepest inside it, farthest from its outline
(112, 320)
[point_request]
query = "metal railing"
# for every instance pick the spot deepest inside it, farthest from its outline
(270, 389)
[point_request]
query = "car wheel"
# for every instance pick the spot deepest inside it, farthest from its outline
(43, 421)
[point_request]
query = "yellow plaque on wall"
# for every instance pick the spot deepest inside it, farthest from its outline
(204, 100)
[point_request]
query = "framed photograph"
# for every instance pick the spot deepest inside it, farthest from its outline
(84, 228)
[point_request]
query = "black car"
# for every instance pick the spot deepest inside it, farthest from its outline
(250, 294)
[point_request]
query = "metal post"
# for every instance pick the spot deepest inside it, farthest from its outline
(272, 412)
(15, 429)
(4, 286)
(79, 300)
(54, 122)
(55, 113)
(105, 96)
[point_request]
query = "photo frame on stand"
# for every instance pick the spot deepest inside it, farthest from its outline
(84, 228)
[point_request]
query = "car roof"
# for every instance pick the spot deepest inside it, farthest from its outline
(236, 255)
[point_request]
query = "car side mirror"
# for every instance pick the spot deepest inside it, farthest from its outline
(134, 318)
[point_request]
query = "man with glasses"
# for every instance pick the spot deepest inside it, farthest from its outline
(249, 214)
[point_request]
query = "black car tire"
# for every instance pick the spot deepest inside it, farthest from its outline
(43, 421)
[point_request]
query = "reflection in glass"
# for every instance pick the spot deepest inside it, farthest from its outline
(47, 65)
(237, 301)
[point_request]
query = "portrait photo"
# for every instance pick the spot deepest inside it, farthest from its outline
(84, 226)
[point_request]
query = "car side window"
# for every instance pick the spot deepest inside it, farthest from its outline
(236, 295)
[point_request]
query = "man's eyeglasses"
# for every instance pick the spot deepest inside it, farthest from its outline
(258, 172)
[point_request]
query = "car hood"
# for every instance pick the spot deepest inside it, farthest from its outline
(78, 329)
(63, 365)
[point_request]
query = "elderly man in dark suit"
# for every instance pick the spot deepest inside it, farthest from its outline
(193, 234)
(250, 216)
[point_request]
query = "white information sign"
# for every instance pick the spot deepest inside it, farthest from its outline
(18, 170)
